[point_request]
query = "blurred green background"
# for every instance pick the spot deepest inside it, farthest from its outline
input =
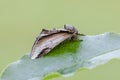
(22, 20)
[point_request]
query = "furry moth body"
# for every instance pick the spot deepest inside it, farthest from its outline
(48, 39)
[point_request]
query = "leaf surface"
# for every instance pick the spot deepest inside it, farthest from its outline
(67, 58)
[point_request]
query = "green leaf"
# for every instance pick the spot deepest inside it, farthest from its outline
(67, 58)
(108, 71)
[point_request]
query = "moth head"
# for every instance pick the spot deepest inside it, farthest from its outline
(71, 28)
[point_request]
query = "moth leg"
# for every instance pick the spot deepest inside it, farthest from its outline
(75, 37)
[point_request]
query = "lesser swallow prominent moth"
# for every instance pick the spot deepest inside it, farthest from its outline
(48, 39)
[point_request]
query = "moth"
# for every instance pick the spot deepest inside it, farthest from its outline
(48, 39)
